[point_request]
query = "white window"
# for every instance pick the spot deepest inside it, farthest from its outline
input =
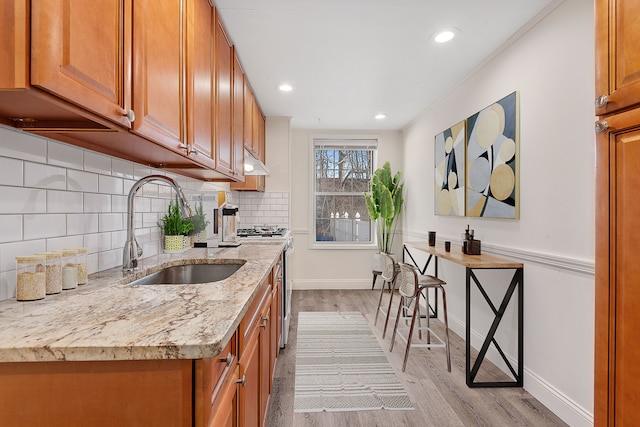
(342, 174)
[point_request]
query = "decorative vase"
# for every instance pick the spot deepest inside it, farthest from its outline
(173, 244)
(200, 237)
(378, 262)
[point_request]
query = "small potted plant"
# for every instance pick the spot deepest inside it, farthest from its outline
(384, 205)
(200, 223)
(174, 228)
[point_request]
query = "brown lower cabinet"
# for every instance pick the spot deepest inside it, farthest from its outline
(229, 390)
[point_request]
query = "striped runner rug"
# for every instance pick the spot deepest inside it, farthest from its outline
(341, 367)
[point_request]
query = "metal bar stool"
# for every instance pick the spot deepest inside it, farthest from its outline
(411, 285)
(388, 274)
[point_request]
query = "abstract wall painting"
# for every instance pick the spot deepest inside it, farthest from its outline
(492, 160)
(450, 171)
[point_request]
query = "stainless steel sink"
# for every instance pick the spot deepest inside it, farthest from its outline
(190, 274)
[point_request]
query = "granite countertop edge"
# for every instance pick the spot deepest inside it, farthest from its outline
(110, 319)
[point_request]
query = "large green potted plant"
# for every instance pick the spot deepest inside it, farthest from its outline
(384, 205)
(174, 228)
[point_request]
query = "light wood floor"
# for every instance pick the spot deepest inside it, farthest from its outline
(440, 398)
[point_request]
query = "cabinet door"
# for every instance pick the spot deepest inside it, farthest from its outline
(238, 117)
(617, 299)
(224, 73)
(617, 54)
(250, 390)
(158, 90)
(265, 359)
(248, 117)
(200, 75)
(225, 408)
(80, 51)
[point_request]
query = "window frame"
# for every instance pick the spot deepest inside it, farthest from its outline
(350, 142)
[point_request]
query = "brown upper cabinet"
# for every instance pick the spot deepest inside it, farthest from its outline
(238, 116)
(148, 81)
(617, 56)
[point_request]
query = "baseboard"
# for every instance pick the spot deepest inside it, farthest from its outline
(310, 285)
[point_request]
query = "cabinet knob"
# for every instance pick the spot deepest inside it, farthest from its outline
(601, 126)
(601, 101)
(131, 115)
(227, 360)
(264, 324)
(242, 380)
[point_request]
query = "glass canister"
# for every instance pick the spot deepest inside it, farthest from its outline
(69, 269)
(53, 263)
(82, 265)
(30, 277)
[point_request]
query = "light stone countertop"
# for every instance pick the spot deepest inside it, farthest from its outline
(108, 319)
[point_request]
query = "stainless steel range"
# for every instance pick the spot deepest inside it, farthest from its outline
(267, 233)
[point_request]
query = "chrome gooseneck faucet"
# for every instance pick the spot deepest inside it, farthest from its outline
(132, 250)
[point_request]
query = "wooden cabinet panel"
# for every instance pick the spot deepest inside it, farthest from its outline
(265, 358)
(248, 118)
(250, 391)
(617, 54)
(114, 393)
(238, 117)
(224, 73)
(78, 53)
(225, 407)
(158, 86)
(617, 270)
(200, 77)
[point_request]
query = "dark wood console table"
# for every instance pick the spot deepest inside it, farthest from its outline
(482, 262)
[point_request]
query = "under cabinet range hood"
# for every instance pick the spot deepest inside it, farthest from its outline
(253, 166)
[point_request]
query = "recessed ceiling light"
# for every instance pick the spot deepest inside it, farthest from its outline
(445, 35)
(285, 87)
(380, 116)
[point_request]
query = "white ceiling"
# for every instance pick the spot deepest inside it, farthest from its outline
(351, 59)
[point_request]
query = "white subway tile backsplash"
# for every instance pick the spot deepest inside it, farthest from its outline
(82, 181)
(43, 176)
(64, 202)
(119, 203)
(97, 203)
(94, 162)
(118, 238)
(22, 145)
(110, 185)
(65, 155)
(10, 228)
(82, 223)
(98, 242)
(111, 222)
(109, 259)
(44, 226)
(150, 219)
(121, 168)
(22, 200)
(11, 171)
(57, 196)
(59, 243)
(9, 252)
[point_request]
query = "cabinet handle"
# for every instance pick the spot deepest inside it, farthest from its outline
(601, 101)
(189, 148)
(242, 380)
(227, 359)
(131, 115)
(264, 324)
(601, 126)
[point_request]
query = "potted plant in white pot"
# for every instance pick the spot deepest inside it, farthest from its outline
(384, 205)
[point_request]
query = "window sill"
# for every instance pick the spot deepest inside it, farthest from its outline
(343, 246)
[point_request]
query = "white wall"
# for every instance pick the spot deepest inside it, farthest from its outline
(322, 268)
(55, 196)
(552, 66)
